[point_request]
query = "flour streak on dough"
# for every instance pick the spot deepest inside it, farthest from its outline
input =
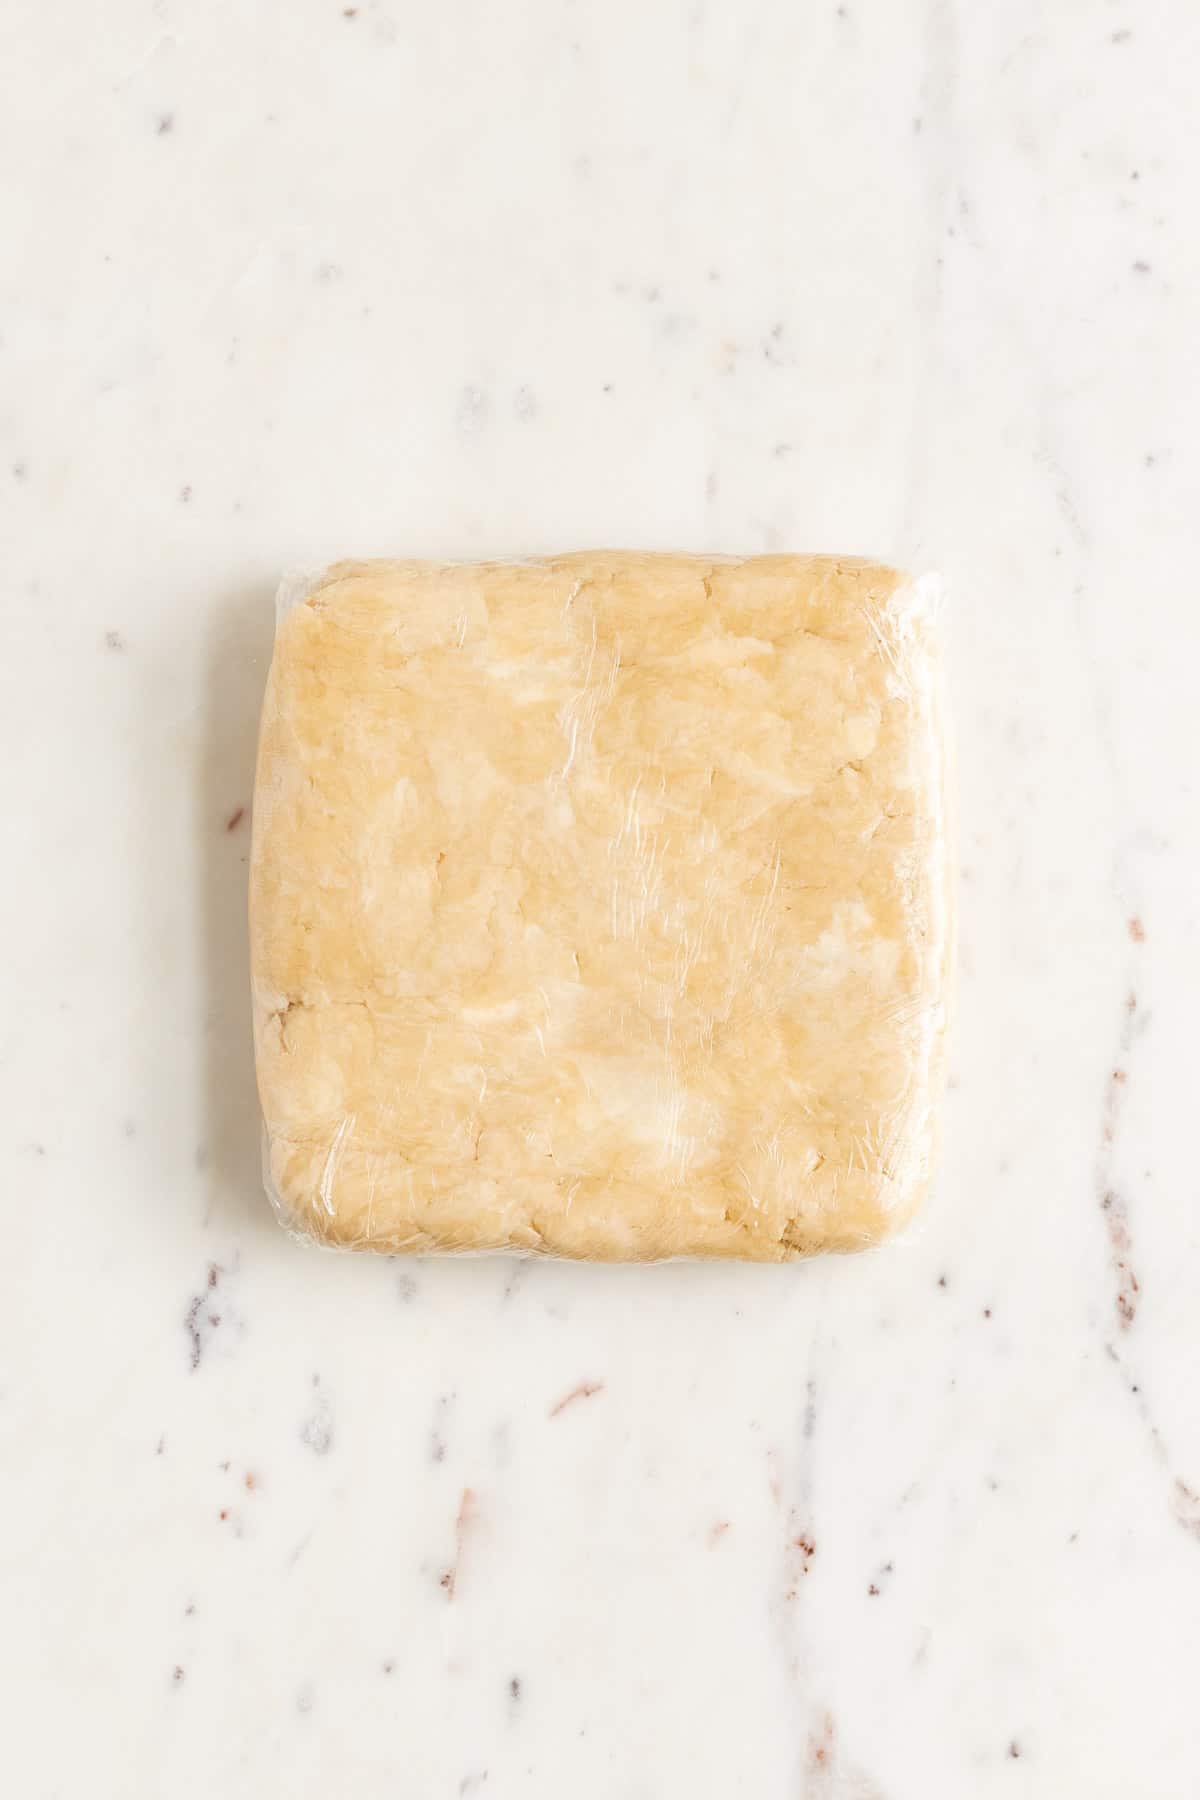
(599, 905)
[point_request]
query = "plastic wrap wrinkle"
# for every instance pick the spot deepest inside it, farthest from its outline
(599, 905)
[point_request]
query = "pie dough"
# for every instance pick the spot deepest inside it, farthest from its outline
(599, 906)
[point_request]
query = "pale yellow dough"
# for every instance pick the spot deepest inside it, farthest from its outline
(598, 906)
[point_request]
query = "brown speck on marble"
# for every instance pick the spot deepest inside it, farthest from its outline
(20, 471)
(873, 1591)
(1128, 1286)
(1014, 1750)
(189, 1609)
(583, 1391)
(160, 1446)
(185, 494)
(166, 124)
(941, 1281)
(388, 1667)
(820, 1745)
(466, 1514)
(251, 1480)
(514, 1687)
(177, 1674)
(114, 641)
(1187, 1507)
(1127, 1296)
(717, 1532)
(1137, 930)
(224, 1513)
(349, 12)
(235, 818)
(987, 1312)
(1141, 268)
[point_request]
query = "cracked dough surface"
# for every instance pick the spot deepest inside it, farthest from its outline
(598, 906)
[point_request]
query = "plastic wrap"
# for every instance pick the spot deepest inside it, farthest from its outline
(599, 906)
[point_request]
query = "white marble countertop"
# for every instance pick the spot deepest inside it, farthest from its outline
(287, 281)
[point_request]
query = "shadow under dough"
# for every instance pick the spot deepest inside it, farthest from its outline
(238, 656)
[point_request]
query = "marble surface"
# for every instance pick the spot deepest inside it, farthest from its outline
(281, 282)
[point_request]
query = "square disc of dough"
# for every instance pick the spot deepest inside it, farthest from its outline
(598, 906)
